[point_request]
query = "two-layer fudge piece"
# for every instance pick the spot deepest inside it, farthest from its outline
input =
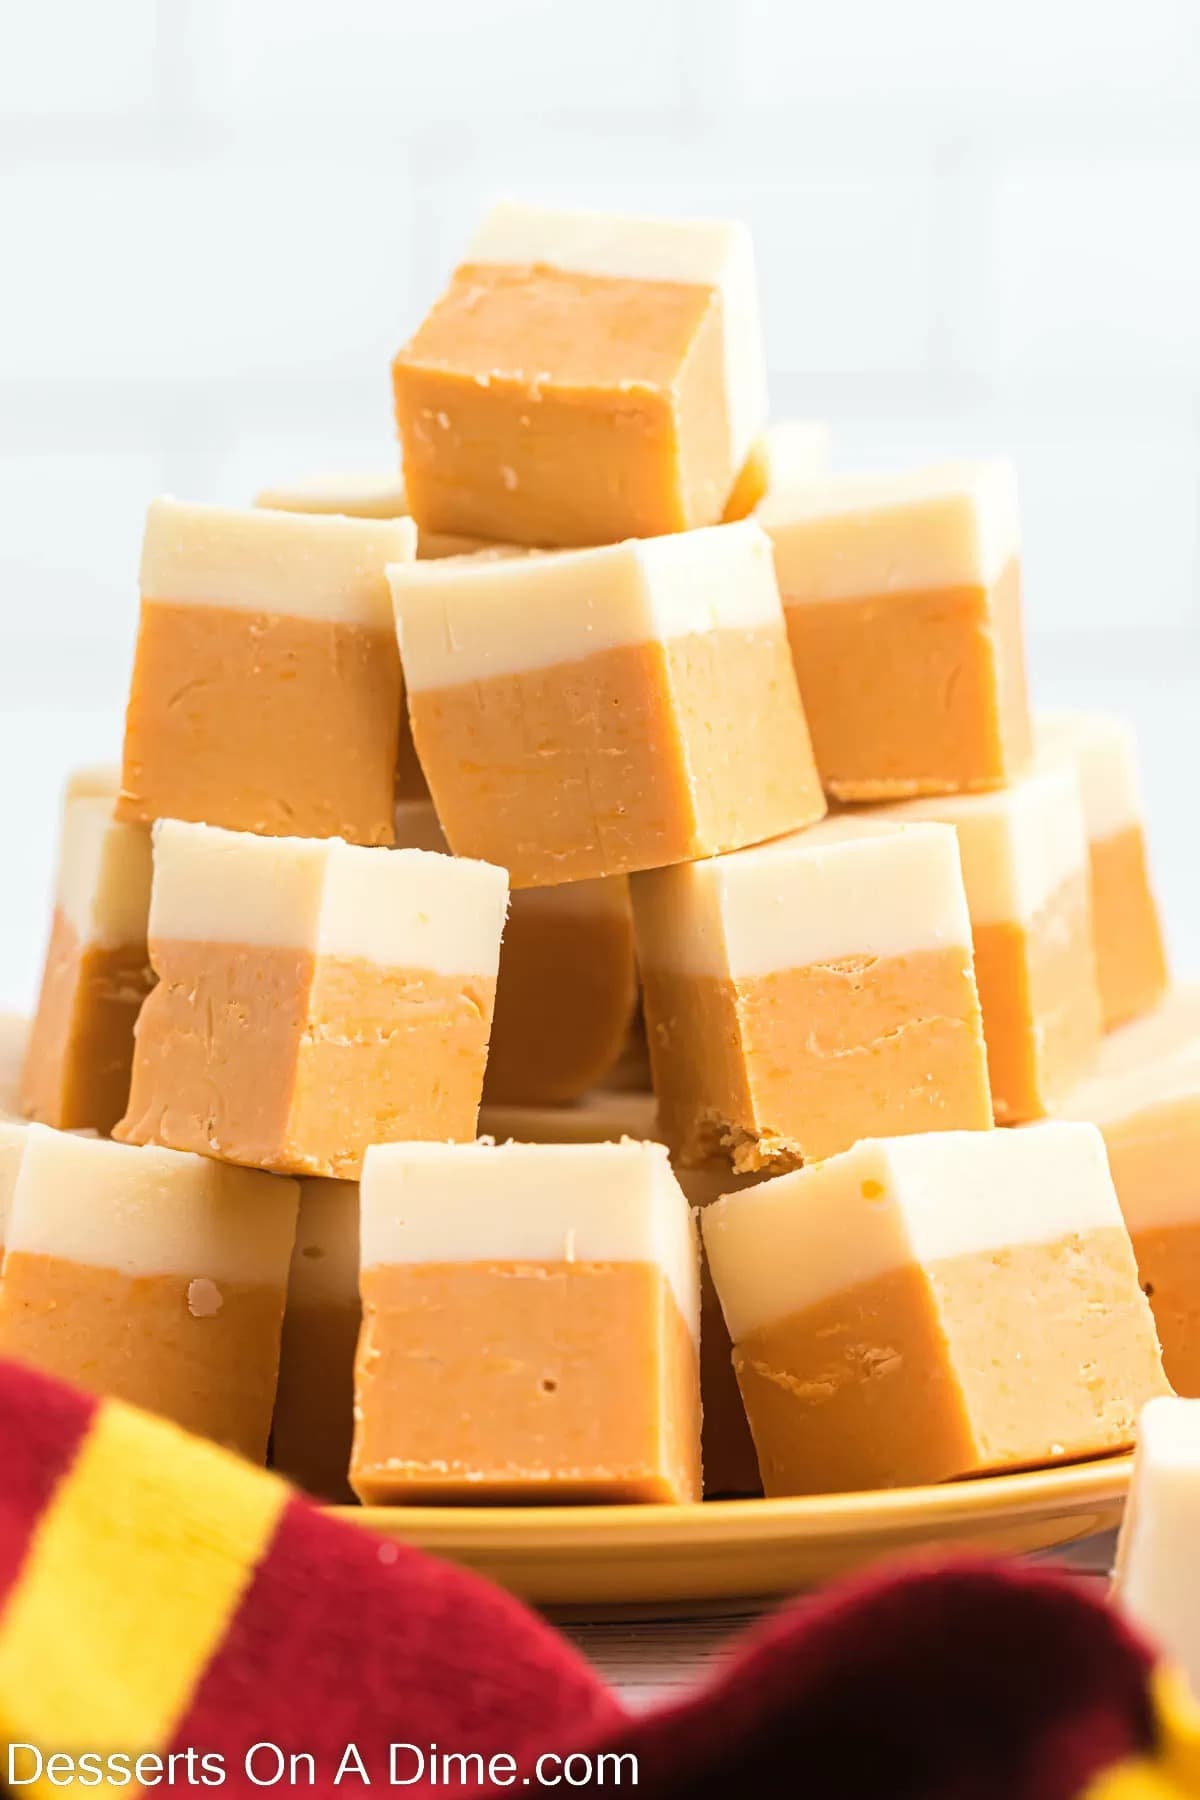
(903, 598)
(1149, 1114)
(567, 983)
(97, 968)
(150, 1276)
(313, 997)
(266, 690)
(1025, 866)
(1131, 962)
(599, 711)
(314, 1404)
(1157, 1576)
(530, 1326)
(786, 453)
(922, 1308)
(584, 378)
(811, 991)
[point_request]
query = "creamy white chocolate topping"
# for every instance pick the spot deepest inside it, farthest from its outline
(1019, 846)
(373, 494)
(795, 450)
(285, 564)
(13, 1133)
(846, 887)
(324, 1270)
(607, 1203)
(855, 537)
(600, 1118)
(98, 781)
(104, 871)
(790, 1243)
(1157, 1571)
(147, 1211)
(711, 253)
(1173, 1027)
(472, 618)
(397, 908)
(1104, 752)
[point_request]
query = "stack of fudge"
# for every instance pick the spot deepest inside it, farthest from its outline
(617, 721)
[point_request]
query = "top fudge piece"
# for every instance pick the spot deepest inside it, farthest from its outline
(903, 600)
(599, 711)
(584, 378)
(266, 688)
(1131, 963)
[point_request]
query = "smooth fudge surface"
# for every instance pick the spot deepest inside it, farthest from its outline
(96, 972)
(530, 1326)
(585, 377)
(809, 992)
(1131, 962)
(266, 692)
(879, 1307)
(150, 1276)
(598, 711)
(313, 997)
(1025, 867)
(903, 601)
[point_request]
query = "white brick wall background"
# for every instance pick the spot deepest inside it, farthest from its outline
(976, 225)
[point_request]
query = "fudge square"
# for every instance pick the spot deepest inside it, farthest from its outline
(567, 985)
(314, 1405)
(1131, 962)
(313, 997)
(97, 968)
(1157, 1575)
(598, 711)
(266, 691)
(530, 1326)
(584, 378)
(880, 1310)
(1149, 1114)
(903, 598)
(809, 992)
(1025, 866)
(150, 1276)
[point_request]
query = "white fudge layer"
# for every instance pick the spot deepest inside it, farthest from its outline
(400, 909)
(324, 1270)
(373, 494)
(99, 781)
(710, 253)
(150, 1211)
(788, 1244)
(280, 563)
(795, 450)
(1104, 751)
(1172, 1029)
(471, 618)
(1019, 846)
(104, 873)
(846, 887)
(1158, 1569)
(484, 1203)
(856, 537)
(13, 1133)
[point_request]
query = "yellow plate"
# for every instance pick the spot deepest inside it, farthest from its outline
(589, 1556)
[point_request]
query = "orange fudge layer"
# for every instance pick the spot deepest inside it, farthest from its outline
(583, 379)
(370, 1025)
(1168, 1261)
(574, 1382)
(588, 768)
(279, 1060)
(133, 1336)
(926, 671)
(1131, 959)
(810, 992)
(903, 600)
(564, 996)
(80, 1054)
(263, 723)
(883, 1331)
(1037, 990)
(899, 1381)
